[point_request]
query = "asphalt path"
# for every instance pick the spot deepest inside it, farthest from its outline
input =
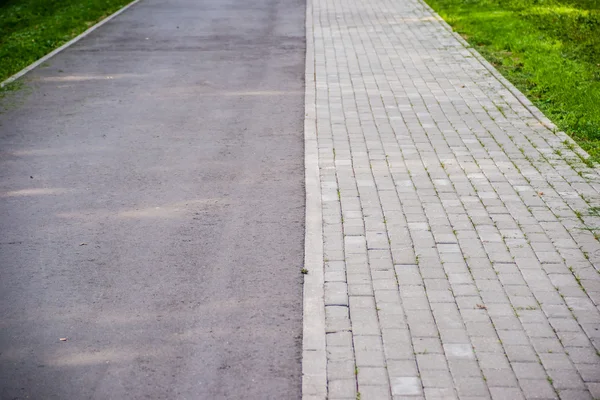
(152, 209)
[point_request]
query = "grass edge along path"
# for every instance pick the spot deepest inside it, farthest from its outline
(548, 49)
(30, 29)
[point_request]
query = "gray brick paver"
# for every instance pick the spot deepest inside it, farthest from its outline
(455, 263)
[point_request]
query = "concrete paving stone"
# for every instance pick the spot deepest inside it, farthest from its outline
(447, 314)
(384, 284)
(339, 339)
(360, 289)
(358, 273)
(379, 392)
(380, 263)
(559, 269)
(589, 372)
(337, 318)
(393, 310)
(506, 393)
(468, 302)
(440, 296)
(386, 296)
(336, 294)
(431, 361)
(464, 368)
(471, 386)
(520, 291)
(528, 370)
(557, 311)
(412, 292)
(340, 353)
(500, 310)
(459, 278)
(364, 322)
(408, 274)
(416, 317)
(459, 351)
(429, 261)
(341, 389)
(436, 284)
(427, 345)
(416, 303)
(454, 336)
(561, 280)
(306, 396)
(402, 368)
(419, 329)
(492, 360)
(367, 343)
(489, 285)
(406, 386)
(506, 268)
(436, 378)
(537, 389)
(592, 330)
(384, 275)
(583, 355)
(511, 279)
(489, 344)
(594, 389)
(532, 316)
(575, 394)
(500, 377)
(494, 297)
(440, 393)
(335, 276)
(372, 376)
(565, 324)
(523, 353)
(546, 345)
(556, 361)
(433, 273)
(566, 379)
(465, 290)
(341, 370)
(513, 337)
(359, 302)
(396, 349)
(455, 267)
(524, 302)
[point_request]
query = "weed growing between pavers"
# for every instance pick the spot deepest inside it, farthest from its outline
(549, 49)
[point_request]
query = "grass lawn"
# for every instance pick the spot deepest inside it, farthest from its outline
(549, 49)
(29, 29)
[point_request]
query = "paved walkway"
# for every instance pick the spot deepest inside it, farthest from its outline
(151, 209)
(459, 254)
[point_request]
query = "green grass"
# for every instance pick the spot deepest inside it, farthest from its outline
(549, 49)
(29, 29)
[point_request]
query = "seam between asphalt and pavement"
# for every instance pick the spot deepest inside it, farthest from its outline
(71, 42)
(454, 255)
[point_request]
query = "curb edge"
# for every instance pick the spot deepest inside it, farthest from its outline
(77, 38)
(314, 357)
